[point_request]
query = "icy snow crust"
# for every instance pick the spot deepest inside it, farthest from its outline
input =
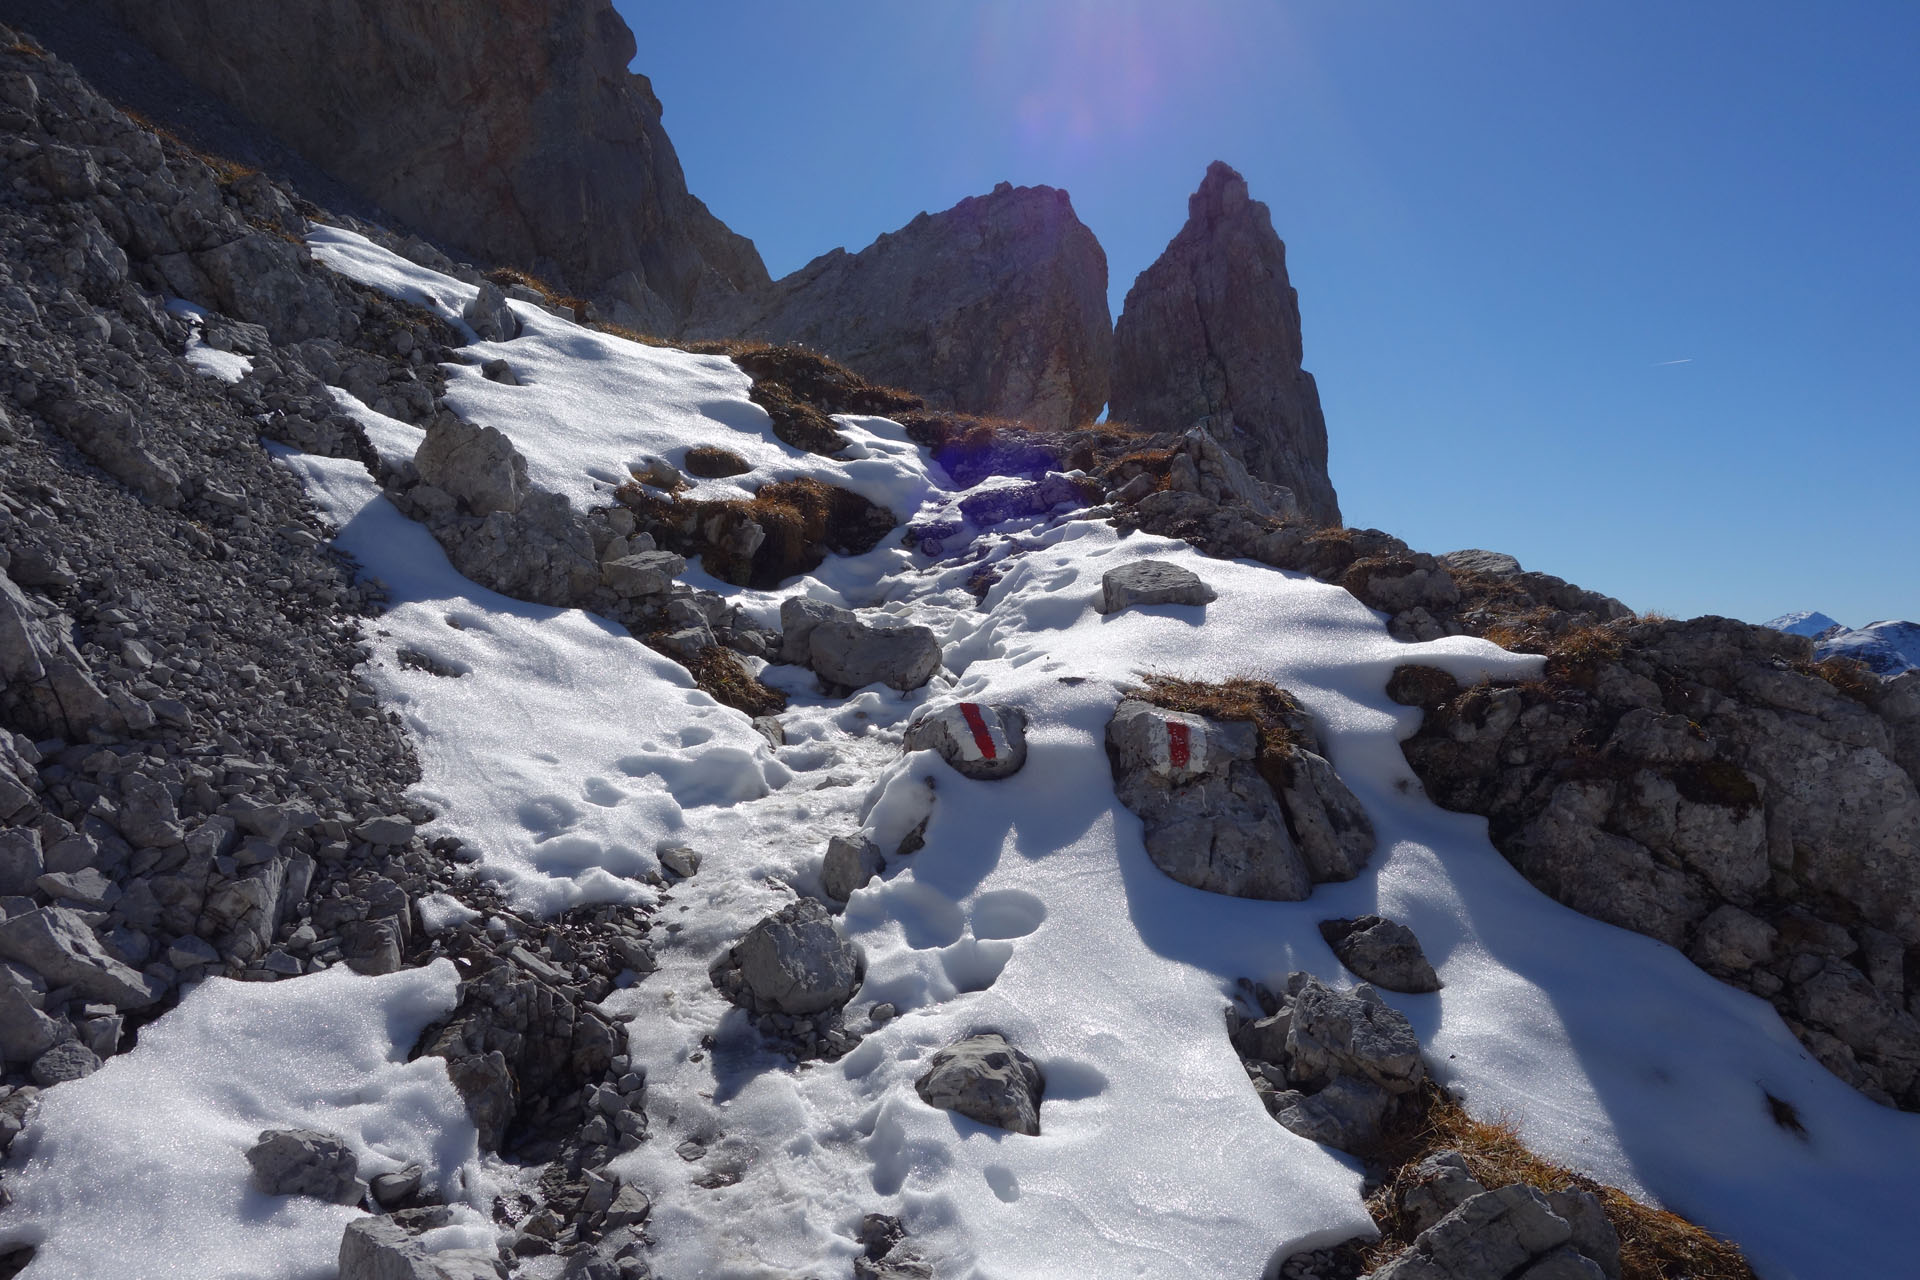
(140, 1170)
(1034, 910)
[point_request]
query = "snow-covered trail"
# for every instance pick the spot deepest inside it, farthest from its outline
(1033, 909)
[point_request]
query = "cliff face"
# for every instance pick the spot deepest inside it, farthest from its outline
(997, 306)
(1212, 330)
(512, 130)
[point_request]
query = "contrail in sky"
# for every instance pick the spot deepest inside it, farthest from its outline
(1661, 364)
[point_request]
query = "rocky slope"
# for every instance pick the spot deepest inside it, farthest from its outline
(890, 982)
(995, 306)
(1211, 332)
(513, 131)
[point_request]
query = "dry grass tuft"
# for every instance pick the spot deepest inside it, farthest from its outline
(716, 671)
(1855, 679)
(802, 519)
(710, 462)
(1654, 1244)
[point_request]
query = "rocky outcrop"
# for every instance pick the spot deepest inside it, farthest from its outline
(1702, 782)
(513, 131)
(1252, 812)
(1212, 331)
(996, 306)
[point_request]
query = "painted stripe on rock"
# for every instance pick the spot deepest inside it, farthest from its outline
(984, 747)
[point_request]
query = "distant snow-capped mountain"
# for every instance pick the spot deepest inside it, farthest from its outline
(1887, 647)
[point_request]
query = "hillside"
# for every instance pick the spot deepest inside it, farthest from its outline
(484, 795)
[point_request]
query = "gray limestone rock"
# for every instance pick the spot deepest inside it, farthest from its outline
(979, 740)
(1351, 1033)
(22, 860)
(396, 1247)
(1441, 1183)
(68, 1060)
(477, 465)
(302, 1162)
(1593, 1236)
(996, 306)
(797, 961)
(1211, 820)
(986, 1079)
(1212, 331)
(1146, 582)
(1347, 1114)
(1495, 1233)
(1381, 951)
(853, 651)
(489, 315)
(57, 943)
(531, 143)
(645, 573)
(850, 862)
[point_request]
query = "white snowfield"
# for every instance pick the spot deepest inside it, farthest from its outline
(564, 753)
(140, 1169)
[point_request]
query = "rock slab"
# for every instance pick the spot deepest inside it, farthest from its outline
(1212, 331)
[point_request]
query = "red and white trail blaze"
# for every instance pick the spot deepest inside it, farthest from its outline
(986, 738)
(1179, 747)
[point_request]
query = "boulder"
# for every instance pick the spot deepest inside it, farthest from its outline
(850, 862)
(1351, 1033)
(1211, 821)
(978, 740)
(985, 1078)
(477, 465)
(531, 143)
(399, 1247)
(489, 316)
(646, 573)
(68, 1060)
(1383, 952)
(1496, 1233)
(796, 961)
(302, 1162)
(1212, 815)
(57, 943)
(850, 651)
(1440, 1184)
(996, 306)
(1211, 331)
(1146, 582)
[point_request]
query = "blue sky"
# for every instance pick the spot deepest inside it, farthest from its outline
(1628, 290)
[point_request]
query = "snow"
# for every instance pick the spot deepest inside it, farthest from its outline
(1803, 623)
(566, 750)
(558, 748)
(140, 1169)
(590, 406)
(1888, 647)
(228, 366)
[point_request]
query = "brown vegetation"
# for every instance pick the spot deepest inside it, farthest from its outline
(710, 462)
(717, 672)
(802, 521)
(1654, 1244)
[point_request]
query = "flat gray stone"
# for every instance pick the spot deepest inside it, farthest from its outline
(850, 862)
(1146, 582)
(1383, 952)
(986, 1079)
(304, 1162)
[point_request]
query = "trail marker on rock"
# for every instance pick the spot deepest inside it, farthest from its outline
(976, 738)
